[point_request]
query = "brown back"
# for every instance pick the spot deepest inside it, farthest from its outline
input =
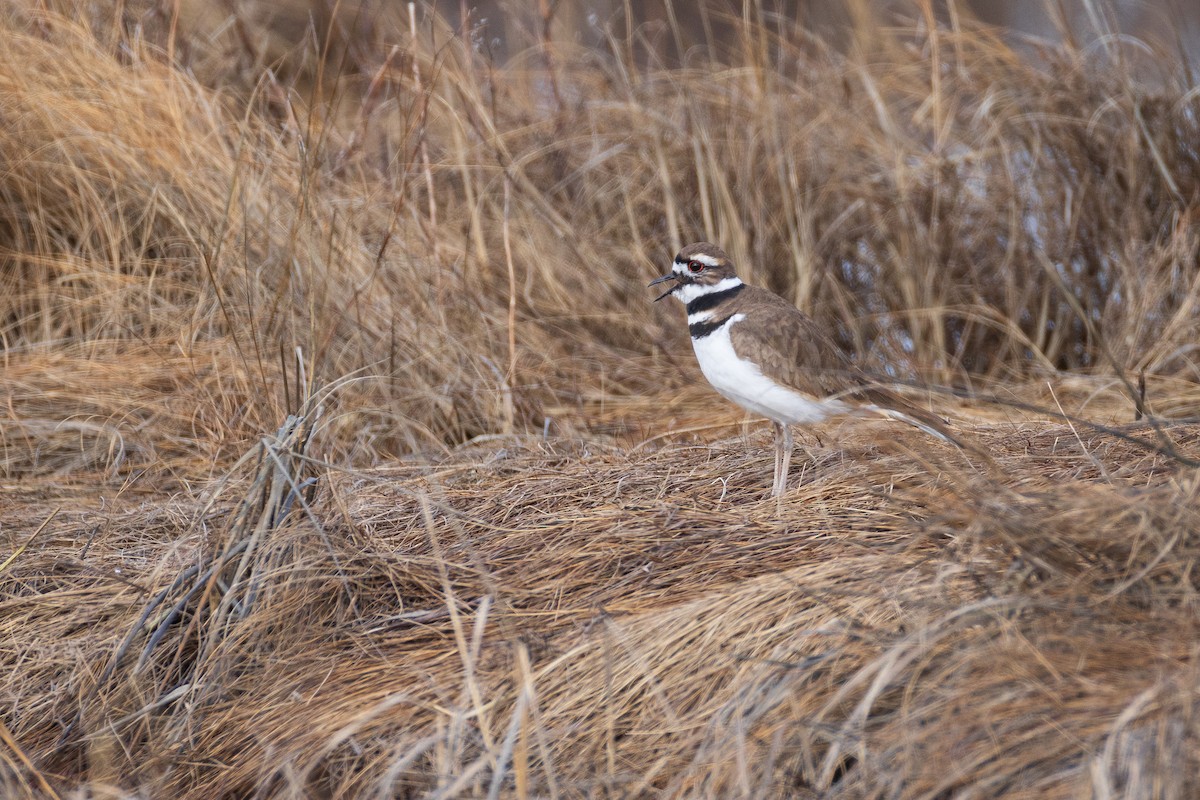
(795, 351)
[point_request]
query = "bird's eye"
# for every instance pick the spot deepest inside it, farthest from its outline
(695, 266)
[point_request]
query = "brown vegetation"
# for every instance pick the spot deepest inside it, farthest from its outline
(344, 454)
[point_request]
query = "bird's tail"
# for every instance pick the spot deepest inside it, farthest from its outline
(893, 406)
(924, 420)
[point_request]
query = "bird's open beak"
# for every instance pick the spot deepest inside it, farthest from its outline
(670, 276)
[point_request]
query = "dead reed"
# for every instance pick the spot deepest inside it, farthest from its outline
(343, 454)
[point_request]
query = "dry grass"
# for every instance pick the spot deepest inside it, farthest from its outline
(344, 455)
(538, 615)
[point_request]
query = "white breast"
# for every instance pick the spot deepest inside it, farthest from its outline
(744, 383)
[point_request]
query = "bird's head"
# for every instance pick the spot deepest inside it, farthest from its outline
(698, 269)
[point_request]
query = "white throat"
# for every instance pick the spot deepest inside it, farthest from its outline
(688, 292)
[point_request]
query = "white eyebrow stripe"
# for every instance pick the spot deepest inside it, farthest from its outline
(708, 261)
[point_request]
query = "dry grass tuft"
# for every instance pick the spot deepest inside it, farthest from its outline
(343, 454)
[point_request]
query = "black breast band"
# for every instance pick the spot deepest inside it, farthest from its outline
(699, 330)
(706, 302)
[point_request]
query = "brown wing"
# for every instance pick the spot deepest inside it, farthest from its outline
(789, 346)
(802, 356)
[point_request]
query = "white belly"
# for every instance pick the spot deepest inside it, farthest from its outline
(743, 382)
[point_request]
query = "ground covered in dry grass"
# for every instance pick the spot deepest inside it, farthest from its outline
(343, 455)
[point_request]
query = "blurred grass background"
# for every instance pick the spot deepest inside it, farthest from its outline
(192, 195)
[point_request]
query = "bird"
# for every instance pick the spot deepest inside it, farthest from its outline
(772, 359)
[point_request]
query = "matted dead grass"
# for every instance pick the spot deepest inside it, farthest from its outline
(547, 616)
(342, 453)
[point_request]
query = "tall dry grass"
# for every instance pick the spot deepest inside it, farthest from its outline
(467, 242)
(344, 454)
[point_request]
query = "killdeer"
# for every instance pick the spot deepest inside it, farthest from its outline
(764, 354)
